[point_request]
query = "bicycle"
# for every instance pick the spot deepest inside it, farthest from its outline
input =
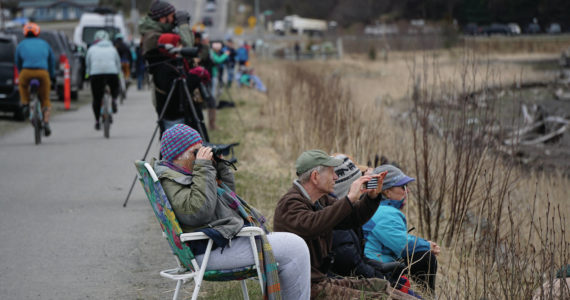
(123, 87)
(36, 115)
(106, 113)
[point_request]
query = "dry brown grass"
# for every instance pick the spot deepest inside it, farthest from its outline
(502, 222)
(355, 106)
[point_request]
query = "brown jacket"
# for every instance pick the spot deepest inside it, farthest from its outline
(296, 213)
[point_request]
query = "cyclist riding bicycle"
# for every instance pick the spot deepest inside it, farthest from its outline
(34, 59)
(102, 66)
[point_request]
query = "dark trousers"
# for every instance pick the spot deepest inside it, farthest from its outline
(98, 83)
(423, 268)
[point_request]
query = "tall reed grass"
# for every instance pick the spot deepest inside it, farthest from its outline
(502, 227)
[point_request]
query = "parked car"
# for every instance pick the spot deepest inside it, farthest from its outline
(101, 19)
(77, 73)
(210, 6)
(533, 28)
(565, 58)
(207, 21)
(9, 93)
(554, 28)
(515, 28)
(471, 29)
(496, 28)
(62, 52)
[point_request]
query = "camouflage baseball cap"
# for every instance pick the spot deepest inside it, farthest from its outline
(313, 158)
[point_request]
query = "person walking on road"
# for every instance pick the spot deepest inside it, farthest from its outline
(103, 66)
(34, 59)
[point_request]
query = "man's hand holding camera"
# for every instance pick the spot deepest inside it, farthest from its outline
(358, 187)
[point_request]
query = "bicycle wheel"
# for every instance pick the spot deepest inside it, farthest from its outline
(36, 121)
(106, 115)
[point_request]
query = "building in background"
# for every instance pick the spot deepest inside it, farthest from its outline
(55, 10)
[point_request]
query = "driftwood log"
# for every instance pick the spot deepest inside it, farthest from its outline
(534, 121)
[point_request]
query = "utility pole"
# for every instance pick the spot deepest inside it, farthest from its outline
(2, 14)
(134, 18)
(257, 19)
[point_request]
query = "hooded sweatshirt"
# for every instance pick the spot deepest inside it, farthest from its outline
(102, 58)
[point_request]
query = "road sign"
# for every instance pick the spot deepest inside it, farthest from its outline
(198, 27)
(238, 30)
(251, 21)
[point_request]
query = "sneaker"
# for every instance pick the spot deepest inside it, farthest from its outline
(97, 126)
(114, 107)
(47, 129)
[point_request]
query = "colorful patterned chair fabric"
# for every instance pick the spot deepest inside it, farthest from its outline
(188, 267)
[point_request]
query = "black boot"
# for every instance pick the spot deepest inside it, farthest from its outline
(47, 129)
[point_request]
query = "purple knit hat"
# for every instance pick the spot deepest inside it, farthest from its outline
(159, 9)
(177, 139)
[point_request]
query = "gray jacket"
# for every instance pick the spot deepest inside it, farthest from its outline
(102, 58)
(194, 198)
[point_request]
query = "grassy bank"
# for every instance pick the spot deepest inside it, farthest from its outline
(502, 227)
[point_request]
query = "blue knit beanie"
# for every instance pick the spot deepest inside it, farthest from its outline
(177, 139)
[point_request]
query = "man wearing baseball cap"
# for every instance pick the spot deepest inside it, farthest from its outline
(386, 233)
(310, 210)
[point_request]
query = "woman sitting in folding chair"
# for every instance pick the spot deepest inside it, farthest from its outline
(202, 194)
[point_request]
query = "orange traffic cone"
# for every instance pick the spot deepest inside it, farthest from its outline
(66, 87)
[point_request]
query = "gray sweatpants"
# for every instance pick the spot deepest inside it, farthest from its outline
(291, 254)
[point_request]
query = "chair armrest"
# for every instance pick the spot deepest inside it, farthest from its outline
(246, 231)
(250, 231)
(193, 236)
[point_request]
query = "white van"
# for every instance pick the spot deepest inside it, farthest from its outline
(90, 23)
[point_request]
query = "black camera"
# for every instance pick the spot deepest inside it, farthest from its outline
(188, 52)
(219, 150)
(372, 184)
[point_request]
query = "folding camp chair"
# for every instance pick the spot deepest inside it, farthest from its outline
(188, 268)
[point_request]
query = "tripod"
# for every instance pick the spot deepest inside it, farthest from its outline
(184, 93)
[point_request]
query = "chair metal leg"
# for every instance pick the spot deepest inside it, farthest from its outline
(244, 290)
(178, 285)
(256, 260)
(198, 279)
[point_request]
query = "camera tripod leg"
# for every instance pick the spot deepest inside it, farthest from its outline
(201, 126)
(235, 106)
(153, 135)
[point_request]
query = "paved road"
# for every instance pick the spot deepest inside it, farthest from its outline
(63, 231)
